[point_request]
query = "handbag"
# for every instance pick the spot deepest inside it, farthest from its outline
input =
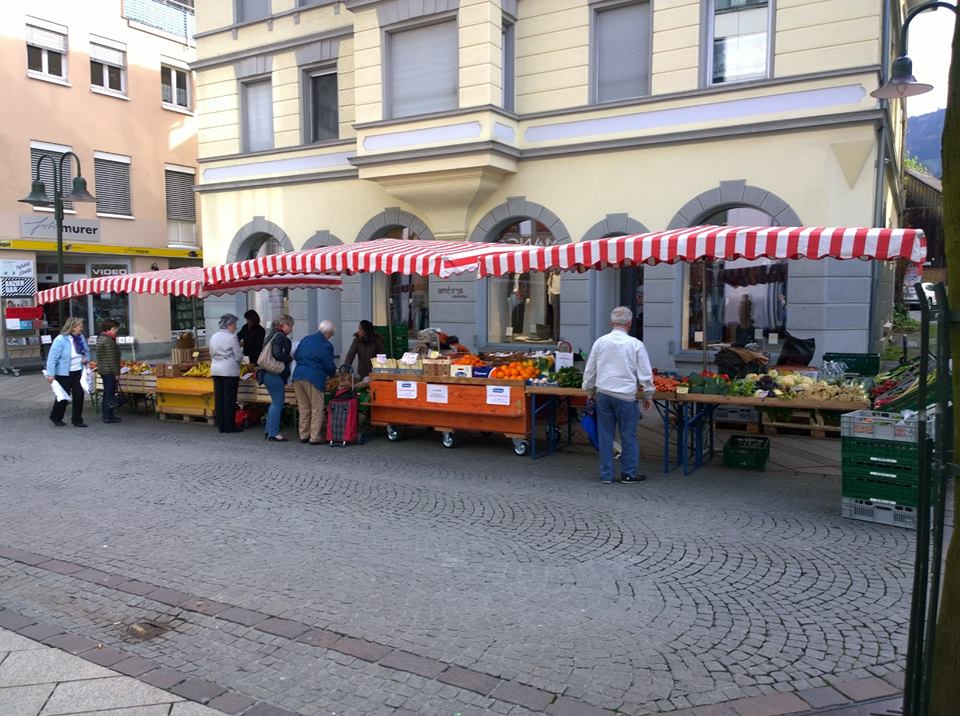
(267, 362)
(588, 421)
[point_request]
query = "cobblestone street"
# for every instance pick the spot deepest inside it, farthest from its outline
(409, 579)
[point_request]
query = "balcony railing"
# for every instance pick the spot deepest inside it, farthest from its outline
(170, 16)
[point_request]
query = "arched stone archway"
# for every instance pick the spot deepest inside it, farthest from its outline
(252, 232)
(730, 194)
(391, 218)
(514, 209)
(325, 304)
(609, 287)
(613, 225)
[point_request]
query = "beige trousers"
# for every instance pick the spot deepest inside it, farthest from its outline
(310, 405)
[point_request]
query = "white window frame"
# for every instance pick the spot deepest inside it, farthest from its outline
(245, 118)
(708, 25)
(105, 88)
(596, 8)
(308, 73)
(119, 159)
(174, 105)
(387, 63)
(44, 73)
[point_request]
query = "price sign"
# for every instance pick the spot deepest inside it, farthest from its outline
(437, 394)
(498, 395)
(563, 360)
(407, 389)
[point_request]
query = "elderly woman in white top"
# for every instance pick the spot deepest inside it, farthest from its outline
(225, 358)
(68, 354)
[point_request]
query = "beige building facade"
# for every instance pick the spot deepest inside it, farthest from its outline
(110, 82)
(548, 121)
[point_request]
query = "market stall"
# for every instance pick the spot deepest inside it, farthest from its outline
(182, 387)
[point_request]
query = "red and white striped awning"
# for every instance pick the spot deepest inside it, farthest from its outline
(179, 282)
(703, 242)
(405, 256)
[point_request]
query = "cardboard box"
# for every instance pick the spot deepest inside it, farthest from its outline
(461, 371)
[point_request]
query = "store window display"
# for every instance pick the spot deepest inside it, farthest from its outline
(267, 302)
(746, 299)
(409, 295)
(524, 307)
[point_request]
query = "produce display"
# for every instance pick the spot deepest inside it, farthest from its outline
(134, 367)
(468, 359)
(665, 384)
(200, 370)
(772, 384)
(516, 370)
(897, 389)
(568, 378)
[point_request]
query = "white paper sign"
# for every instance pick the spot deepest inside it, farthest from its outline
(563, 360)
(698, 336)
(773, 339)
(46, 340)
(758, 334)
(437, 393)
(409, 358)
(498, 395)
(13, 324)
(407, 389)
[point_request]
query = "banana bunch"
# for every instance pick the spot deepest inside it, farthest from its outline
(136, 367)
(201, 370)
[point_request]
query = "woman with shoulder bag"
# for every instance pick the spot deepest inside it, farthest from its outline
(225, 358)
(68, 354)
(273, 371)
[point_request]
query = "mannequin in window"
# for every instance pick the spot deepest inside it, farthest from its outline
(517, 296)
(553, 303)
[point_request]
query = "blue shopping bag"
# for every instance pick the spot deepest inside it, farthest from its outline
(588, 421)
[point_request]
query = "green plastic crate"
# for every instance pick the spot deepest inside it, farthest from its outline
(876, 485)
(857, 363)
(880, 452)
(747, 452)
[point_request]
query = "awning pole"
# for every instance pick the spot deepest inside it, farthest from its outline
(196, 333)
(703, 311)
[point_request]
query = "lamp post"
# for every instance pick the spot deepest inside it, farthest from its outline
(932, 656)
(38, 197)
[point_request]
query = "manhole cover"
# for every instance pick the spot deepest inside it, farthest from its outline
(144, 631)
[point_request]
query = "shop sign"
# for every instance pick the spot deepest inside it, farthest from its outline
(498, 395)
(459, 291)
(17, 279)
(437, 394)
(45, 227)
(105, 270)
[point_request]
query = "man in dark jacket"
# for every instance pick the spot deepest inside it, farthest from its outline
(315, 365)
(108, 365)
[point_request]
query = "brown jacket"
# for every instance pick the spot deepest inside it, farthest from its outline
(364, 352)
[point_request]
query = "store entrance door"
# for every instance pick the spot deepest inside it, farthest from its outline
(631, 296)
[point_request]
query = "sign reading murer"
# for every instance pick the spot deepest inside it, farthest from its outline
(45, 227)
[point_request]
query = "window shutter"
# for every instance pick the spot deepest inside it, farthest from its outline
(108, 55)
(253, 10)
(258, 111)
(623, 52)
(181, 204)
(47, 173)
(424, 69)
(48, 39)
(113, 187)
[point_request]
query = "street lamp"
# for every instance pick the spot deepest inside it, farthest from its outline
(38, 197)
(924, 606)
(902, 83)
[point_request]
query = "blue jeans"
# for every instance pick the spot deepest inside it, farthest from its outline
(275, 385)
(109, 398)
(613, 413)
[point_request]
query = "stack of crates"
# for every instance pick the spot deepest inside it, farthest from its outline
(880, 469)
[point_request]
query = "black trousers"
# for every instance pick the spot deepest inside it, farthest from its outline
(109, 400)
(71, 384)
(225, 401)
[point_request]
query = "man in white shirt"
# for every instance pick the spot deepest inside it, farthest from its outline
(618, 365)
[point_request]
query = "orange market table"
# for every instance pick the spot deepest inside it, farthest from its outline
(688, 422)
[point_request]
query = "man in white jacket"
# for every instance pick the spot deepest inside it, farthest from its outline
(617, 368)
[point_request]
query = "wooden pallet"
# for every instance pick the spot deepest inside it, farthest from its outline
(201, 419)
(803, 422)
(736, 425)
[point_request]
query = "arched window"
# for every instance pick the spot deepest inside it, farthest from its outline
(271, 302)
(409, 295)
(746, 300)
(524, 308)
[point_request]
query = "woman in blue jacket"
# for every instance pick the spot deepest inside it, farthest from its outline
(65, 361)
(280, 347)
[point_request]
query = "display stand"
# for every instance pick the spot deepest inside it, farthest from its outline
(22, 347)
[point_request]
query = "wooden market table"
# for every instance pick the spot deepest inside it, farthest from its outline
(688, 421)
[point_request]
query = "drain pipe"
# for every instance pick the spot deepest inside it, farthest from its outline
(875, 333)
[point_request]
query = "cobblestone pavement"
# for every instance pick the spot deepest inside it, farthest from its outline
(678, 592)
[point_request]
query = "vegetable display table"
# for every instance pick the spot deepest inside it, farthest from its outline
(688, 422)
(553, 405)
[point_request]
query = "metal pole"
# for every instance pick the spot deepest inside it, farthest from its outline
(58, 217)
(703, 312)
(913, 701)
